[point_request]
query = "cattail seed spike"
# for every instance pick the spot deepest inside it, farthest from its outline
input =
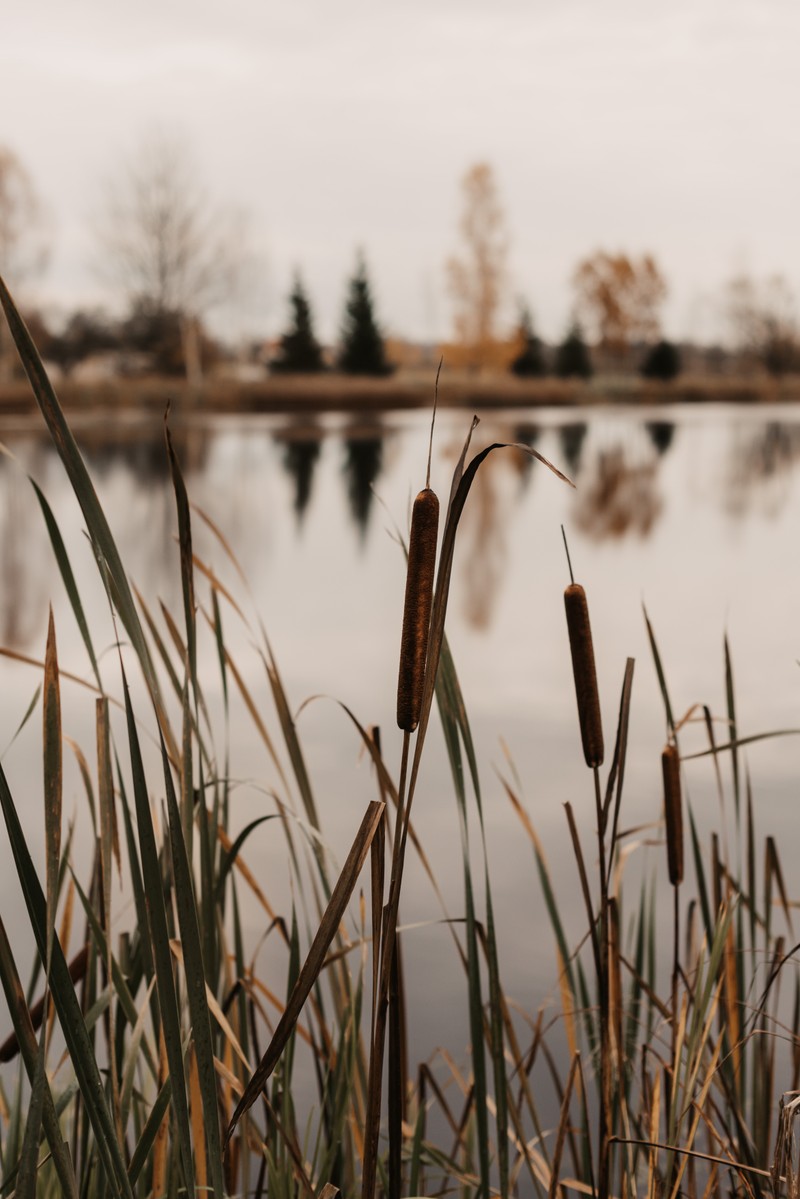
(673, 812)
(417, 608)
(585, 675)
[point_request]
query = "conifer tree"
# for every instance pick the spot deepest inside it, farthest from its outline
(530, 362)
(300, 351)
(572, 356)
(362, 349)
(663, 362)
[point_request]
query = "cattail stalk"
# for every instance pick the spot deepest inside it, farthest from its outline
(417, 609)
(583, 669)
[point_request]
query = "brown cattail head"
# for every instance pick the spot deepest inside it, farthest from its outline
(417, 610)
(671, 770)
(580, 644)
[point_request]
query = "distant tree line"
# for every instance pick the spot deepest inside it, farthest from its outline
(172, 257)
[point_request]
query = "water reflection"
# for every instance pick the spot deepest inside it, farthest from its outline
(661, 434)
(571, 439)
(760, 467)
(526, 434)
(363, 461)
(617, 496)
(302, 444)
(26, 576)
(483, 537)
(141, 448)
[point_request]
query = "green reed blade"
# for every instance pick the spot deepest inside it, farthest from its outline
(662, 681)
(144, 1145)
(31, 708)
(29, 1157)
(315, 960)
(26, 1039)
(109, 560)
(185, 544)
(53, 779)
(731, 705)
(195, 977)
(68, 578)
(117, 977)
(159, 941)
(447, 703)
(67, 1006)
(229, 859)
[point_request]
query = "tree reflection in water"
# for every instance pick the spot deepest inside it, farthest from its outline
(27, 577)
(760, 467)
(661, 433)
(572, 438)
(363, 460)
(526, 434)
(617, 496)
(301, 449)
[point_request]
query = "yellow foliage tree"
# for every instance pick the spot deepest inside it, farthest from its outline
(477, 276)
(619, 298)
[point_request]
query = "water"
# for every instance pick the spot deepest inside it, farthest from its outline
(692, 512)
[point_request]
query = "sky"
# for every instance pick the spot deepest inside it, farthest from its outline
(334, 125)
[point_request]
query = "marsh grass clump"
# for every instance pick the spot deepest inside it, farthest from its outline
(184, 1046)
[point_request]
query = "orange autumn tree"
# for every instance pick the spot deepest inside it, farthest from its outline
(619, 298)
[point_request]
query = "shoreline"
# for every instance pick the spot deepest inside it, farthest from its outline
(337, 393)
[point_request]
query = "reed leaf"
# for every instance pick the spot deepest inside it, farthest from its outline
(313, 964)
(105, 547)
(26, 1038)
(65, 569)
(66, 1003)
(159, 940)
(195, 979)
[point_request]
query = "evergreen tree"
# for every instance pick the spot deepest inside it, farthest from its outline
(362, 349)
(663, 361)
(530, 362)
(300, 351)
(572, 356)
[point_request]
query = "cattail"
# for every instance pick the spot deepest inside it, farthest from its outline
(417, 610)
(671, 770)
(580, 644)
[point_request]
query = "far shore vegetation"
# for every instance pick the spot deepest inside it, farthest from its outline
(171, 262)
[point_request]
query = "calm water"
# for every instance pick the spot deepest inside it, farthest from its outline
(692, 512)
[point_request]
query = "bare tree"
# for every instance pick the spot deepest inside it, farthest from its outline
(619, 298)
(763, 317)
(170, 253)
(22, 241)
(477, 277)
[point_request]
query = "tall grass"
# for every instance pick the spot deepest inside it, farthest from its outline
(184, 1061)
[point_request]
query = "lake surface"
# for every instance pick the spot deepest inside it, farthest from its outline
(692, 512)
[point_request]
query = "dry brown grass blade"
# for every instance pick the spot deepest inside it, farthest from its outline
(218, 586)
(311, 967)
(561, 1131)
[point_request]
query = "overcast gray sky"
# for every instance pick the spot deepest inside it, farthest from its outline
(623, 124)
